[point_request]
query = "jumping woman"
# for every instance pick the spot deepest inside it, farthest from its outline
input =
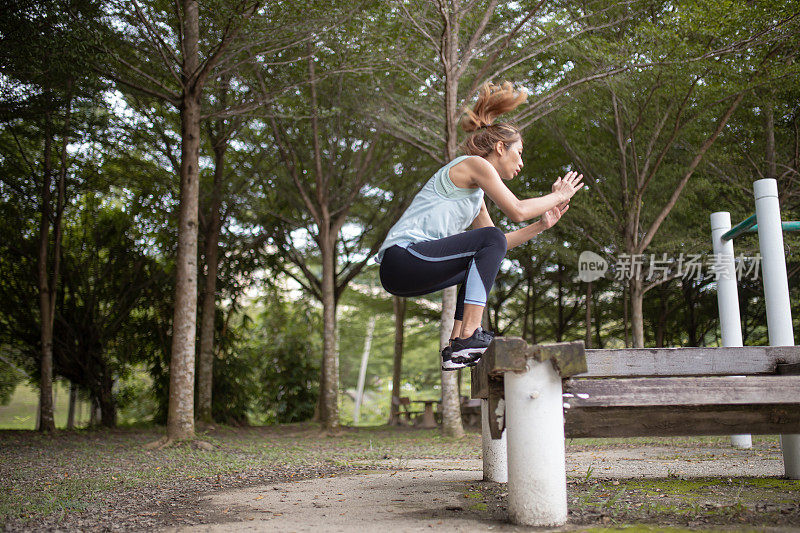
(429, 249)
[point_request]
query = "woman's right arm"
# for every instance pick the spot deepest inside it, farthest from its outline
(519, 210)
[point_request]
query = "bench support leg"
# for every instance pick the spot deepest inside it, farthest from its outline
(537, 478)
(495, 465)
(790, 445)
(742, 442)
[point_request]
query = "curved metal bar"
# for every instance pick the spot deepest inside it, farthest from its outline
(739, 228)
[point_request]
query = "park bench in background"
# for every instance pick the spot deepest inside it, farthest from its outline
(428, 419)
(542, 394)
(404, 410)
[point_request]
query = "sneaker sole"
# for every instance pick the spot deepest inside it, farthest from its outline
(453, 365)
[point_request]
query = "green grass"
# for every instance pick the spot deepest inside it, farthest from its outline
(20, 413)
(672, 499)
(637, 528)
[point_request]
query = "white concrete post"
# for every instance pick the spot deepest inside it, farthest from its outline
(730, 322)
(495, 464)
(776, 293)
(537, 477)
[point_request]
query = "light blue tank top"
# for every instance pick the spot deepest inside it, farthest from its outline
(439, 210)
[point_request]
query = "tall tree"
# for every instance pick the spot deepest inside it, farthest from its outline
(43, 62)
(329, 160)
(160, 53)
(399, 308)
(650, 116)
(219, 132)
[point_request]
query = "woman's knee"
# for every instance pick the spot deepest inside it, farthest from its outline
(494, 236)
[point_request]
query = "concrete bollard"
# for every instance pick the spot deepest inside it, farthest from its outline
(537, 477)
(495, 465)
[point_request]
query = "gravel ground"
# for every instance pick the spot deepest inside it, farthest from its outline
(449, 495)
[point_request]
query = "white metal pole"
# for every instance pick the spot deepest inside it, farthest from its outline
(362, 373)
(730, 322)
(537, 477)
(776, 293)
(495, 464)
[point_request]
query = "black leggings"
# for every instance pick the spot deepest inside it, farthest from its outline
(471, 258)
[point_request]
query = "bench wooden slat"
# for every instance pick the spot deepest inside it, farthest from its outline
(602, 422)
(631, 362)
(680, 391)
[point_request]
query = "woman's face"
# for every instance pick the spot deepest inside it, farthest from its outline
(510, 160)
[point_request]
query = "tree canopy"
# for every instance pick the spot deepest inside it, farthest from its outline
(191, 193)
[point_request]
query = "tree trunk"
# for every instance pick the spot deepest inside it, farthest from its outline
(329, 384)
(49, 282)
(73, 397)
(769, 120)
(449, 57)
(108, 408)
(663, 309)
(689, 301)
(598, 315)
(397, 367)
(451, 407)
(78, 409)
(637, 317)
(526, 314)
(93, 412)
(625, 318)
(560, 326)
(588, 337)
(180, 417)
(205, 367)
(46, 418)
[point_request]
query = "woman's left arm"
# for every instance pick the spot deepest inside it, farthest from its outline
(548, 220)
(522, 235)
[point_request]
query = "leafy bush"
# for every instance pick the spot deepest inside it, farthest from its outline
(286, 348)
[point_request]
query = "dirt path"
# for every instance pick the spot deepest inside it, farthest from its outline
(448, 495)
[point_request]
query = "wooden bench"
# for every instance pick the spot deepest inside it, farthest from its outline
(404, 410)
(542, 394)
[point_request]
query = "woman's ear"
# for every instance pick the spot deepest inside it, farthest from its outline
(500, 148)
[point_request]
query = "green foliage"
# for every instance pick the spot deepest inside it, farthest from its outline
(48, 48)
(282, 352)
(134, 398)
(234, 389)
(9, 379)
(378, 82)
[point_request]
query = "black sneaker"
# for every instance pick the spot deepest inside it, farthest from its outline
(451, 363)
(470, 350)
